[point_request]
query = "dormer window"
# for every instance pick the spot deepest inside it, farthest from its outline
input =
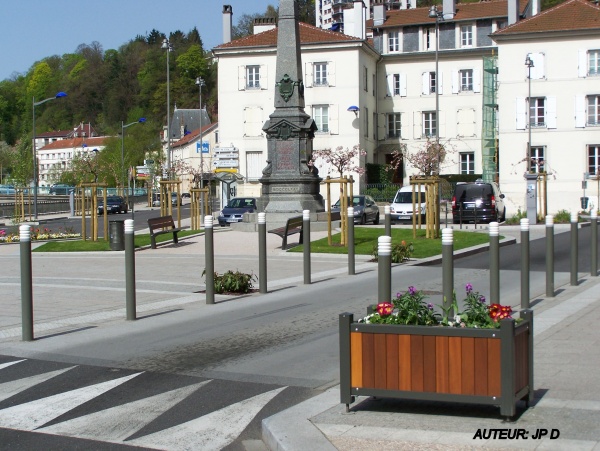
(466, 35)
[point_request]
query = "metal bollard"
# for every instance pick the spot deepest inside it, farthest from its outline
(448, 270)
(209, 259)
(494, 262)
(525, 263)
(130, 301)
(351, 265)
(594, 242)
(388, 220)
(306, 244)
(26, 283)
(550, 256)
(262, 252)
(574, 248)
(384, 273)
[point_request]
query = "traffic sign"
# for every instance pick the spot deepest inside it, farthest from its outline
(205, 147)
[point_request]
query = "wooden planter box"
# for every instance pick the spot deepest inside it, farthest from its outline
(480, 366)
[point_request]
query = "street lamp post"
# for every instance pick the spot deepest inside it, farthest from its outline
(200, 83)
(34, 151)
(169, 48)
(438, 15)
(123, 127)
(529, 64)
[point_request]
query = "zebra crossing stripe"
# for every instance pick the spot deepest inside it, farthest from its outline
(209, 432)
(34, 414)
(4, 365)
(8, 389)
(117, 423)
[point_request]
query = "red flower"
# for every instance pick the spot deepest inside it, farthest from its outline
(385, 309)
(498, 312)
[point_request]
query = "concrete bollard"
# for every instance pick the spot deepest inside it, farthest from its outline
(574, 248)
(306, 244)
(494, 232)
(384, 258)
(130, 301)
(262, 252)
(26, 283)
(351, 258)
(448, 270)
(209, 259)
(525, 263)
(550, 256)
(388, 220)
(594, 242)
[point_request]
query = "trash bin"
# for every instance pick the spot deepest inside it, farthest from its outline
(584, 202)
(116, 233)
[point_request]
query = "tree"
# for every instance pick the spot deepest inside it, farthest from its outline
(342, 159)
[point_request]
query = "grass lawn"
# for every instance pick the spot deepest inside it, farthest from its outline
(101, 245)
(365, 239)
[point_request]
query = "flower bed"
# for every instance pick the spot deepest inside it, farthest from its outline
(38, 234)
(443, 361)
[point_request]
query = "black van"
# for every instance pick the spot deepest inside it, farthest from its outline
(477, 202)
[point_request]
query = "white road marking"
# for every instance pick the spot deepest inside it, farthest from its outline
(34, 414)
(8, 389)
(209, 432)
(117, 423)
(4, 365)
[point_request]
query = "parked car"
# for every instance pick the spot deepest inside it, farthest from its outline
(235, 209)
(7, 189)
(478, 202)
(114, 204)
(401, 208)
(61, 189)
(365, 209)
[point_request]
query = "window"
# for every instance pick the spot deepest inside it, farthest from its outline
(467, 163)
(320, 74)
(429, 38)
(432, 82)
(394, 125)
(537, 159)
(365, 79)
(252, 77)
(429, 124)
(366, 116)
(393, 41)
(396, 84)
(594, 159)
(537, 112)
(466, 80)
(594, 62)
(466, 36)
(374, 120)
(320, 114)
(593, 110)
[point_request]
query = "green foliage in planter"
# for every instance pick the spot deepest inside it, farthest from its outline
(400, 252)
(562, 217)
(233, 282)
(382, 193)
(377, 173)
(516, 219)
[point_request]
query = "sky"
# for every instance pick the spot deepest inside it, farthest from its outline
(35, 29)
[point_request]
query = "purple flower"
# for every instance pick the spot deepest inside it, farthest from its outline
(412, 290)
(430, 306)
(469, 288)
(482, 299)
(398, 294)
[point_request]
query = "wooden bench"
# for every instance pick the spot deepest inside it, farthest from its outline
(160, 225)
(292, 226)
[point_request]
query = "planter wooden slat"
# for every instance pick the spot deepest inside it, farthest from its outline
(483, 366)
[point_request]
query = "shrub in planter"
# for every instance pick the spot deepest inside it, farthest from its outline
(401, 252)
(233, 282)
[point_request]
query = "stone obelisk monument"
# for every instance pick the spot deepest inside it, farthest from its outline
(289, 185)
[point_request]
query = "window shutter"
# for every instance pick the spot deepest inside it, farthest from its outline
(382, 127)
(417, 124)
(308, 75)
(455, 81)
(425, 80)
(254, 165)
(334, 120)
(441, 124)
(583, 62)
(264, 80)
(466, 121)
(580, 112)
(537, 72)
(476, 80)
(242, 78)
(253, 121)
(402, 85)
(390, 85)
(521, 113)
(331, 73)
(550, 118)
(440, 83)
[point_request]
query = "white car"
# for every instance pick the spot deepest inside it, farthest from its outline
(401, 208)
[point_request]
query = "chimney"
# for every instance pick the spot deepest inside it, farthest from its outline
(535, 7)
(354, 20)
(378, 14)
(264, 24)
(449, 9)
(227, 23)
(513, 11)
